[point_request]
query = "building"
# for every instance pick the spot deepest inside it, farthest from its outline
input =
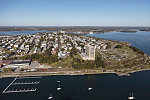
(15, 63)
(89, 52)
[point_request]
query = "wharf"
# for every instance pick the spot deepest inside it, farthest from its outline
(17, 83)
(24, 90)
(6, 90)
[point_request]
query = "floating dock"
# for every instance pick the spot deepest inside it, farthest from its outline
(17, 83)
(24, 90)
(9, 85)
(21, 83)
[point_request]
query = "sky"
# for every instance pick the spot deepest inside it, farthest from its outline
(74, 12)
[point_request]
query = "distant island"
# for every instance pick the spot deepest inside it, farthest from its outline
(63, 53)
(73, 29)
(127, 31)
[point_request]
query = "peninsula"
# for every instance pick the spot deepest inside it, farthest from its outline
(64, 53)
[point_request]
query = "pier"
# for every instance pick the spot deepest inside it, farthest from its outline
(37, 82)
(9, 85)
(6, 90)
(21, 90)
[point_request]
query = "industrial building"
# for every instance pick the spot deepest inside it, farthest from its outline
(15, 63)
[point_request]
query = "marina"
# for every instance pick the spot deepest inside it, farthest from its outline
(88, 87)
(7, 90)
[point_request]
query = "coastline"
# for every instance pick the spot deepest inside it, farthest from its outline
(28, 74)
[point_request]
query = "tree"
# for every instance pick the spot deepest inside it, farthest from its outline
(99, 62)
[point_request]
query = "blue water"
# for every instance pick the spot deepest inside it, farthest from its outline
(141, 40)
(105, 87)
(22, 32)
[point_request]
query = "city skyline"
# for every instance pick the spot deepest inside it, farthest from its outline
(74, 13)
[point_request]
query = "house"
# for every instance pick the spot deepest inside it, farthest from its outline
(16, 45)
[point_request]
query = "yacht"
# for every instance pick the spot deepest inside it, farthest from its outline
(131, 97)
(59, 88)
(58, 81)
(50, 97)
(90, 88)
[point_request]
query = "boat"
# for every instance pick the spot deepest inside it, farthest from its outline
(90, 32)
(50, 97)
(59, 88)
(90, 88)
(131, 97)
(58, 81)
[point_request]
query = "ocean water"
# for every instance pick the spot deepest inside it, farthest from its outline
(105, 87)
(21, 32)
(141, 40)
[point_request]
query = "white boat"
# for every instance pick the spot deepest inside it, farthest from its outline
(131, 97)
(58, 81)
(90, 32)
(50, 97)
(90, 88)
(59, 88)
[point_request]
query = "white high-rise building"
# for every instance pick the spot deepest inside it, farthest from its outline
(89, 52)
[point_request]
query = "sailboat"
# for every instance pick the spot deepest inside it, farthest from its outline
(58, 81)
(90, 88)
(59, 88)
(131, 97)
(50, 97)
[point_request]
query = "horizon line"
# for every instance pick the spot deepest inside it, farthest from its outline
(67, 26)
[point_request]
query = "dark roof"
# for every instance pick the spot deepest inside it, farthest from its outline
(21, 62)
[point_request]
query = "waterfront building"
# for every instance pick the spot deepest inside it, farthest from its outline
(15, 63)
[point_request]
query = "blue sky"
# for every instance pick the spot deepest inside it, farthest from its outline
(75, 12)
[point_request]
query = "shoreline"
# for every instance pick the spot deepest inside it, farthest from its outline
(76, 73)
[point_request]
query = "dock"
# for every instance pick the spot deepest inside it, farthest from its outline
(21, 90)
(9, 85)
(17, 83)
(6, 90)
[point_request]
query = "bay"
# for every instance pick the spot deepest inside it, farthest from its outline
(21, 32)
(140, 40)
(105, 87)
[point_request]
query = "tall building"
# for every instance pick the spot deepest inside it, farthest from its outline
(89, 52)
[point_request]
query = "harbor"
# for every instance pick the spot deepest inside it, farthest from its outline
(81, 87)
(7, 90)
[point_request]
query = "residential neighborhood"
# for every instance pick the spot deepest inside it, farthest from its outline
(14, 46)
(62, 51)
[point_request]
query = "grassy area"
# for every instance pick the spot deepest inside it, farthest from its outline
(66, 62)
